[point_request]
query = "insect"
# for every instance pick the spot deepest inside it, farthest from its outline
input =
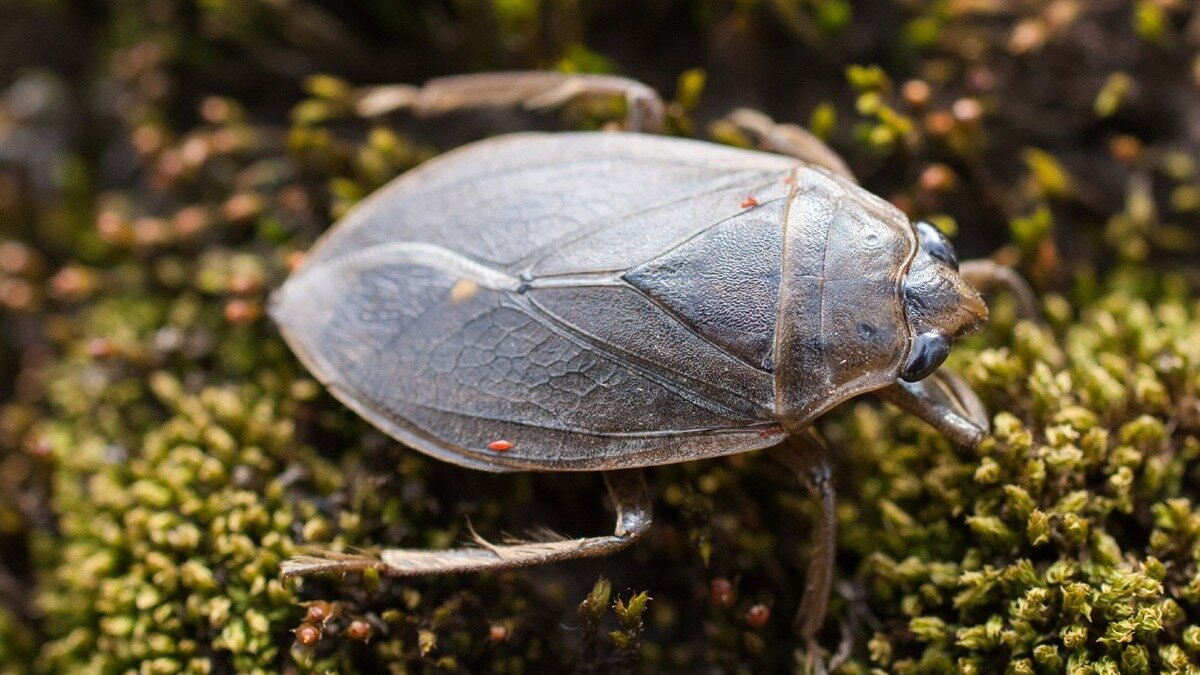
(609, 301)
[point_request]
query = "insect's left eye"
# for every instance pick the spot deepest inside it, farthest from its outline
(929, 351)
(936, 244)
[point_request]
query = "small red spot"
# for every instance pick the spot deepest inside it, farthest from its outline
(773, 431)
(500, 446)
(359, 631)
(101, 348)
(41, 448)
(790, 179)
(308, 634)
(750, 202)
(758, 616)
(722, 592)
(318, 612)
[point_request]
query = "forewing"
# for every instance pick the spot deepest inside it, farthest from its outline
(472, 302)
(560, 203)
(451, 375)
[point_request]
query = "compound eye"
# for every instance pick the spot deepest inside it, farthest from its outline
(929, 351)
(936, 244)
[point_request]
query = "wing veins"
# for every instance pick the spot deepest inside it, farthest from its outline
(671, 316)
(489, 277)
(674, 316)
(593, 432)
(540, 255)
(589, 342)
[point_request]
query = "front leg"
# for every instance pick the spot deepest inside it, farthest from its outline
(986, 275)
(532, 90)
(946, 402)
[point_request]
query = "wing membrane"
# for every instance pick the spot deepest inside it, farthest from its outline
(453, 376)
(582, 201)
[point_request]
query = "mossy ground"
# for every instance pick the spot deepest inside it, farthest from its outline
(161, 451)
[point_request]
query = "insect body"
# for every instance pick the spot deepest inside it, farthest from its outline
(627, 309)
(610, 301)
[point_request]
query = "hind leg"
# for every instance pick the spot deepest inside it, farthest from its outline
(533, 90)
(627, 488)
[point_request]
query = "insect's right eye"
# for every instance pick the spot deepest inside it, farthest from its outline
(936, 244)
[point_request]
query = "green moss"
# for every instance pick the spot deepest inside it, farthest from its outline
(182, 434)
(17, 643)
(161, 451)
(173, 543)
(1069, 538)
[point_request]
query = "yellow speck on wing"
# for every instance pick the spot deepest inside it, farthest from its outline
(463, 290)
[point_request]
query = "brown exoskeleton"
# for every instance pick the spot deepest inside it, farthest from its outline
(610, 301)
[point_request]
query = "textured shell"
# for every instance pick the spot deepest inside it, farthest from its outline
(595, 301)
(841, 328)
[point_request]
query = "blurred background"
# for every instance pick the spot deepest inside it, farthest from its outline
(163, 162)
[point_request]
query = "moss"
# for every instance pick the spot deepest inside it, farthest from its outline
(1068, 539)
(181, 434)
(161, 451)
(17, 643)
(170, 545)
(182, 438)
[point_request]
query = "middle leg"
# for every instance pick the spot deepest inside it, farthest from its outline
(806, 455)
(532, 90)
(786, 139)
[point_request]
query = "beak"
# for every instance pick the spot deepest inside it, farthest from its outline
(973, 312)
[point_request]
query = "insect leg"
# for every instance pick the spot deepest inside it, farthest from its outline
(786, 139)
(533, 90)
(627, 488)
(986, 275)
(946, 402)
(806, 455)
